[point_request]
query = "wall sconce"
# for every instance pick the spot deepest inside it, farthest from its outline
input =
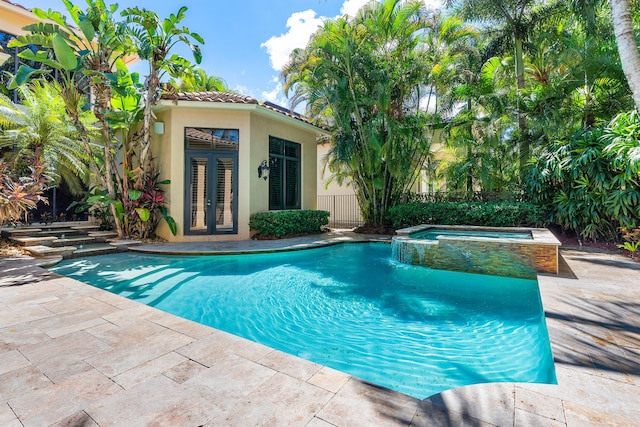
(263, 170)
(158, 128)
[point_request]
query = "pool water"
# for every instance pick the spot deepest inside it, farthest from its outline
(350, 307)
(434, 233)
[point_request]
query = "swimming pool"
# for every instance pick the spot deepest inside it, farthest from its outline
(350, 307)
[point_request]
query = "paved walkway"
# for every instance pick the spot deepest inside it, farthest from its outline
(74, 355)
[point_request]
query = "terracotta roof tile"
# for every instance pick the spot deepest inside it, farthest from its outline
(286, 112)
(211, 97)
(234, 99)
(16, 4)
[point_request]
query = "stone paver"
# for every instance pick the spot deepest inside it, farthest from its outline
(71, 355)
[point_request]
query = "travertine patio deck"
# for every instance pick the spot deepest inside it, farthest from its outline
(74, 355)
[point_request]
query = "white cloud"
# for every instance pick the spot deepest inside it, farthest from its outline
(351, 7)
(433, 4)
(276, 95)
(301, 26)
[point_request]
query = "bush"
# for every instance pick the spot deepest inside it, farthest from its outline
(282, 223)
(490, 214)
(591, 179)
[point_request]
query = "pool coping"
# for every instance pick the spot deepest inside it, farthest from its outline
(594, 343)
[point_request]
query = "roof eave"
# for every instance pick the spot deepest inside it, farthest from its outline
(167, 104)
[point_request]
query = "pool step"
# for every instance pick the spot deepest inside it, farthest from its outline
(123, 244)
(46, 251)
(92, 249)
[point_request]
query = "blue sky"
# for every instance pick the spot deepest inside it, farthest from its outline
(246, 41)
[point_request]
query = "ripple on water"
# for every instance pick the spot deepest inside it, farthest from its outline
(415, 330)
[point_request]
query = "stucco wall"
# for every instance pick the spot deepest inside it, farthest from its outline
(13, 18)
(261, 128)
(254, 130)
(333, 189)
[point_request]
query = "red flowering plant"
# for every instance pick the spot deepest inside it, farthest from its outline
(146, 205)
(20, 194)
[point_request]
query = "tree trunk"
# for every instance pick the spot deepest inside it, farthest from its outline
(524, 151)
(627, 47)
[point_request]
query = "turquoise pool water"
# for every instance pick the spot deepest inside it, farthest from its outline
(350, 307)
(433, 233)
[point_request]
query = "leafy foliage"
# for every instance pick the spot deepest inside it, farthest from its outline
(491, 214)
(278, 224)
(39, 129)
(631, 240)
(89, 53)
(362, 78)
(22, 193)
(592, 180)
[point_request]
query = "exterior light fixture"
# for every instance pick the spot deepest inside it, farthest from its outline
(158, 128)
(263, 170)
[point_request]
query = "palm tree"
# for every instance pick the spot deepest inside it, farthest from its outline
(509, 19)
(90, 46)
(154, 38)
(627, 47)
(40, 132)
(362, 78)
(197, 80)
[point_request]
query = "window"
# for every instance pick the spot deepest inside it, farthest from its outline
(284, 175)
(212, 139)
(11, 65)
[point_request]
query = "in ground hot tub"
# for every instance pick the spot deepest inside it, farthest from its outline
(499, 251)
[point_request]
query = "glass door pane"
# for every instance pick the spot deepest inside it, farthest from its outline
(198, 198)
(225, 219)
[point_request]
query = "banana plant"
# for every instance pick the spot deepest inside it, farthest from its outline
(87, 47)
(153, 39)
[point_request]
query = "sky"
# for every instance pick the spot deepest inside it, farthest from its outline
(247, 42)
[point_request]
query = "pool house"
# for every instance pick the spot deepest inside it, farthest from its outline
(228, 156)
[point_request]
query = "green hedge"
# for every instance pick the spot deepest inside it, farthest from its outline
(282, 223)
(490, 214)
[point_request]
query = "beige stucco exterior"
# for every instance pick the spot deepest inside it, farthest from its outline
(13, 18)
(255, 124)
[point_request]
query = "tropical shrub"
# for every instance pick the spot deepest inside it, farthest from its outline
(20, 194)
(631, 240)
(491, 214)
(362, 78)
(282, 223)
(592, 180)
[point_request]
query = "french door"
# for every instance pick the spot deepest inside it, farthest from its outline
(211, 192)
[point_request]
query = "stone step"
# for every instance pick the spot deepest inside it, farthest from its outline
(123, 244)
(62, 232)
(10, 231)
(92, 249)
(102, 236)
(46, 251)
(73, 241)
(32, 241)
(87, 227)
(63, 224)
